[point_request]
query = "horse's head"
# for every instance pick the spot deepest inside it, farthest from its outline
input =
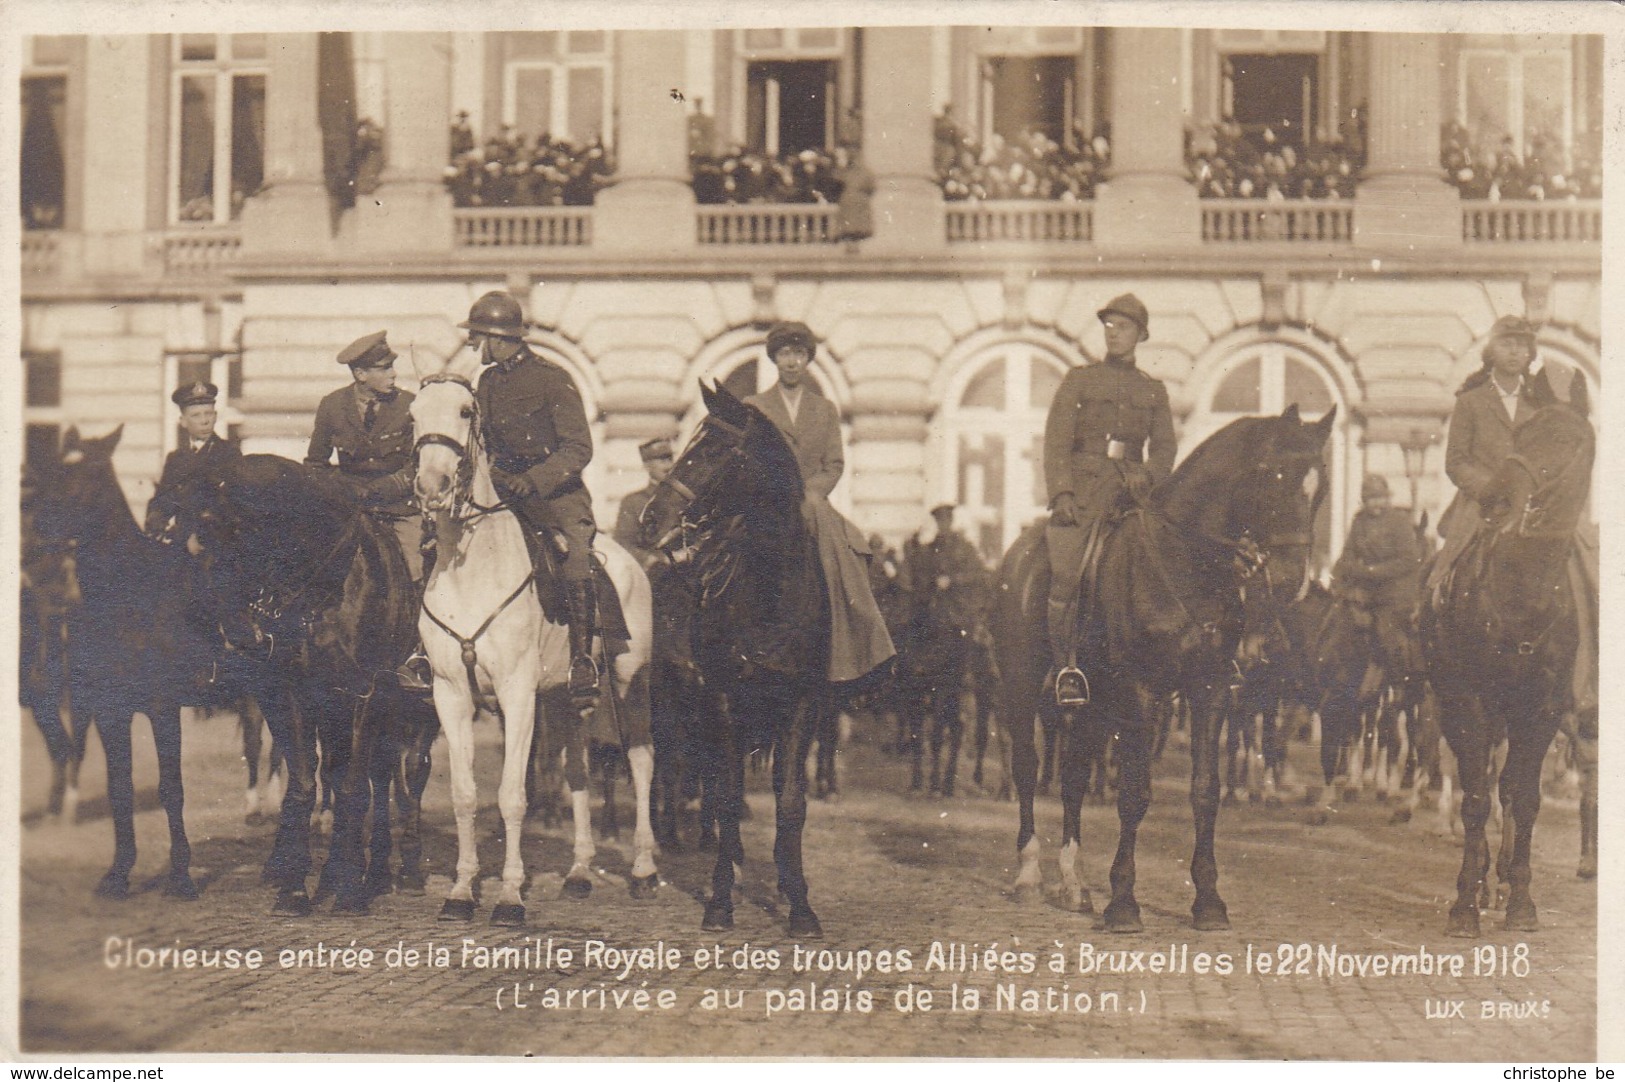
(445, 415)
(736, 461)
(78, 494)
(1254, 488)
(1547, 478)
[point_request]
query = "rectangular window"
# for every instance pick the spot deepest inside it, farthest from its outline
(43, 182)
(218, 126)
(1274, 93)
(41, 442)
(790, 105)
(42, 380)
(1031, 94)
(586, 95)
(1519, 94)
(566, 102)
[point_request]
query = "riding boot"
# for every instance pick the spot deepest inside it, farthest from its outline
(583, 626)
(415, 673)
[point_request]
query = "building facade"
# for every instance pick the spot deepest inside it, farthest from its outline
(198, 206)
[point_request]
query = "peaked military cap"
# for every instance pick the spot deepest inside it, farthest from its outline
(368, 351)
(1512, 327)
(655, 449)
(942, 508)
(1129, 307)
(791, 334)
(195, 394)
(1374, 485)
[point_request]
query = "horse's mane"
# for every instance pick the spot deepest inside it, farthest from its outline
(770, 451)
(1187, 495)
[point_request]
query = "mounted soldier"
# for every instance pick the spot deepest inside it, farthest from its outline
(1379, 572)
(859, 642)
(1108, 438)
(201, 450)
(367, 426)
(535, 426)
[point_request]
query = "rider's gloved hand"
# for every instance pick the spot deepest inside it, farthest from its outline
(517, 485)
(1064, 511)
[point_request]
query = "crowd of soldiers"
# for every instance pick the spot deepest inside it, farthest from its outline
(508, 171)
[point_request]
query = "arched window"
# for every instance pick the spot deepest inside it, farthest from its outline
(989, 440)
(1265, 377)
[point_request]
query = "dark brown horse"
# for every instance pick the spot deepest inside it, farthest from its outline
(760, 633)
(139, 644)
(1501, 646)
(1181, 584)
(318, 592)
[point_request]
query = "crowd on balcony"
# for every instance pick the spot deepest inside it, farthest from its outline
(1030, 166)
(1227, 163)
(509, 171)
(1545, 172)
(751, 176)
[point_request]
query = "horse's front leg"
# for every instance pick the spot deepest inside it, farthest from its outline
(1520, 794)
(517, 694)
(727, 782)
(1085, 744)
(1133, 799)
(166, 735)
(1207, 706)
(1466, 730)
(1017, 710)
(790, 791)
(645, 876)
(114, 727)
(578, 778)
(412, 778)
(288, 866)
(345, 870)
(454, 703)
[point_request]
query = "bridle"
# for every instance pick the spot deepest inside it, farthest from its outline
(464, 509)
(732, 437)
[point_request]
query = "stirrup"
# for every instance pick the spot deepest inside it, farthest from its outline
(415, 673)
(1071, 687)
(583, 677)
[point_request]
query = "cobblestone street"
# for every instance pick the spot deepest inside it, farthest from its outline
(1336, 901)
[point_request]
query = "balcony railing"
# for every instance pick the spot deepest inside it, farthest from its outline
(1532, 221)
(40, 256)
(1255, 221)
(780, 223)
(1020, 220)
(523, 227)
(198, 252)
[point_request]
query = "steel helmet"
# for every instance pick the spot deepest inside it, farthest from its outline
(498, 314)
(1374, 485)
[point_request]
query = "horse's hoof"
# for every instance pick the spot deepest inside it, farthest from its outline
(292, 903)
(1502, 894)
(1272, 801)
(1211, 918)
(1086, 905)
(180, 886)
(1318, 818)
(1254, 798)
(1351, 796)
(324, 891)
(805, 926)
(457, 909)
(411, 882)
(351, 902)
(1382, 797)
(645, 886)
(377, 886)
(1463, 924)
(719, 917)
(113, 885)
(577, 887)
(1401, 815)
(1521, 919)
(1229, 800)
(508, 914)
(1123, 918)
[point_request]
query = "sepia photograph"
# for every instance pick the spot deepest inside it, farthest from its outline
(1058, 531)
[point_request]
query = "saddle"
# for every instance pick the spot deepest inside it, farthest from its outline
(546, 558)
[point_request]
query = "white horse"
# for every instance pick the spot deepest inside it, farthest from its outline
(491, 646)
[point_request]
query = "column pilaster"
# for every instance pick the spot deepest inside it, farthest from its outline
(292, 213)
(897, 86)
(1148, 202)
(1403, 201)
(411, 210)
(651, 204)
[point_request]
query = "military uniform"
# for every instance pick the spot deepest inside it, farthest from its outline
(371, 435)
(1109, 429)
(192, 458)
(535, 424)
(1380, 569)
